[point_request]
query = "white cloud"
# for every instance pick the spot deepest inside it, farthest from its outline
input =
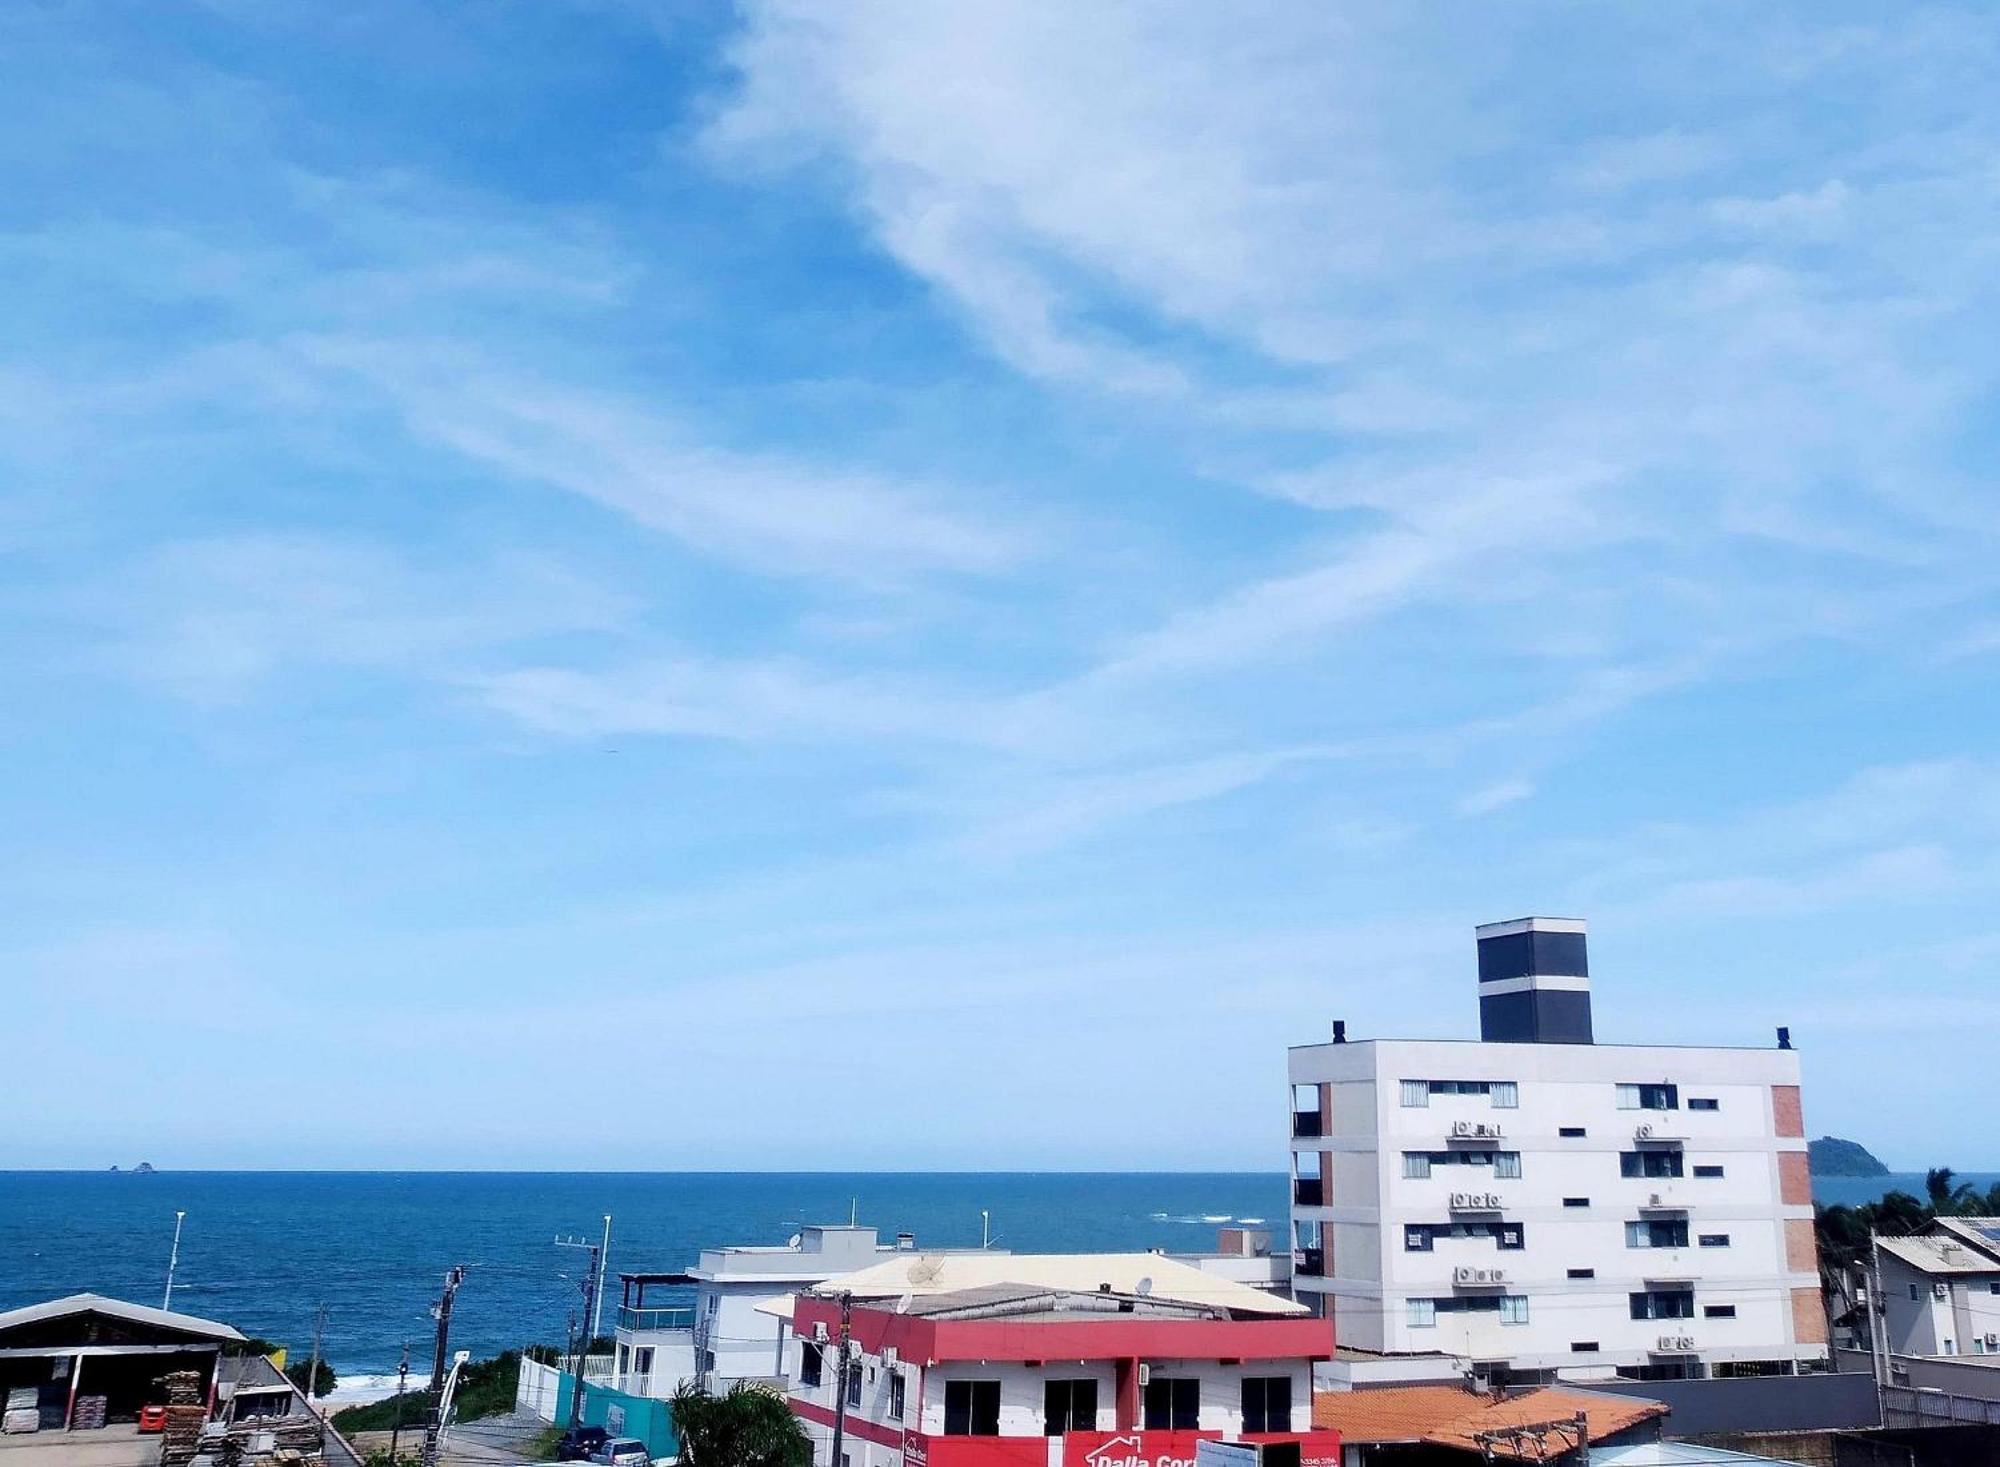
(1496, 797)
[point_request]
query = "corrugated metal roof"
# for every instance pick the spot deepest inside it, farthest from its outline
(1151, 1274)
(1450, 1415)
(116, 1309)
(1937, 1253)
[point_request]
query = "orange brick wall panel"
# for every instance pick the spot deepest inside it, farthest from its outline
(1326, 1178)
(1801, 1246)
(1788, 1110)
(1326, 1110)
(1794, 1179)
(1808, 1317)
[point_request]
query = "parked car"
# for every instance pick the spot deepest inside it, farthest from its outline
(623, 1451)
(580, 1443)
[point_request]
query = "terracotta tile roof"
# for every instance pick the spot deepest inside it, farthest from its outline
(1449, 1415)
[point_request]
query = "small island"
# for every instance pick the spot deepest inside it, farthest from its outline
(1833, 1157)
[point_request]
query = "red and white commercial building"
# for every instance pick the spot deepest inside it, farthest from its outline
(1028, 1373)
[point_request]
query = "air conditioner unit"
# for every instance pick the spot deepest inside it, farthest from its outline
(1486, 1130)
(1461, 1128)
(1993, 1342)
(1645, 1133)
(1145, 1374)
(1940, 1291)
(819, 1332)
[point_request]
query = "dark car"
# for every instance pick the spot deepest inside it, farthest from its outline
(580, 1441)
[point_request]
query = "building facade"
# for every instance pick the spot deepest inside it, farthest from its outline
(1941, 1289)
(1537, 1206)
(1026, 1375)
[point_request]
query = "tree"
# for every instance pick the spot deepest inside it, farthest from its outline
(748, 1426)
(323, 1381)
(1949, 1196)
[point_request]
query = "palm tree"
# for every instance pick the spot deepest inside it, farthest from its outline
(747, 1426)
(1949, 1196)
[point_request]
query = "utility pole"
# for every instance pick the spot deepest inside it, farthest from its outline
(840, 1380)
(402, 1385)
(442, 1313)
(173, 1258)
(312, 1370)
(589, 1305)
(603, 1265)
(1878, 1317)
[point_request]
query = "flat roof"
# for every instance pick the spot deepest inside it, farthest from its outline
(1535, 1044)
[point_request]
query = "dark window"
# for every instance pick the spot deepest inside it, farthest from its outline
(1583, 1347)
(1715, 1240)
(1663, 1304)
(1672, 1234)
(1573, 1131)
(810, 1358)
(1697, 1102)
(1583, 1273)
(1719, 1311)
(854, 1385)
(1416, 1238)
(1649, 1097)
(1650, 1163)
(1069, 1405)
(1510, 1235)
(895, 1395)
(972, 1408)
(1267, 1403)
(1173, 1403)
(1708, 1171)
(1576, 1202)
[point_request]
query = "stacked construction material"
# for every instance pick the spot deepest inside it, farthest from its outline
(181, 1435)
(89, 1413)
(23, 1413)
(180, 1387)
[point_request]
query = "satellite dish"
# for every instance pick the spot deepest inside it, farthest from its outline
(903, 1304)
(925, 1271)
(1145, 1288)
(795, 1240)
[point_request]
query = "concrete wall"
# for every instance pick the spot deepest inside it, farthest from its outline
(1824, 1402)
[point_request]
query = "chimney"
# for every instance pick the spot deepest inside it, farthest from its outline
(1534, 981)
(1340, 1031)
(1784, 1036)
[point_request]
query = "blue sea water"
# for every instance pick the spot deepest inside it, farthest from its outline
(260, 1249)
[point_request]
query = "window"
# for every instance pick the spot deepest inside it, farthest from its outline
(1583, 1347)
(1572, 1133)
(1069, 1405)
(1649, 1097)
(1514, 1309)
(1506, 1163)
(972, 1408)
(1421, 1237)
(714, 1303)
(1416, 1238)
(1663, 1304)
(1267, 1403)
(1650, 1163)
(1703, 1102)
(1708, 1171)
(895, 1395)
(1656, 1234)
(1173, 1403)
(1416, 1163)
(1993, 1288)
(811, 1363)
(1419, 1164)
(1583, 1273)
(707, 1361)
(1510, 1236)
(1416, 1093)
(854, 1385)
(1423, 1313)
(1715, 1240)
(1718, 1311)
(642, 1360)
(1506, 1095)
(1576, 1202)
(1914, 1292)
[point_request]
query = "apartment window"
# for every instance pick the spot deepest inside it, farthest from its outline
(1510, 1236)
(1572, 1133)
(896, 1386)
(1916, 1291)
(1715, 1240)
(1423, 1313)
(1703, 1102)
(1993, 1288)
(1416, 1164)
(1656, 1234)
(811, 1363)
(1718, 1311)
(1651, 1163)
(714, 1303)
(1173, 1403)
(1583, 1273)
(1649, 1097)
(1416, 1093)
(1267, 1403)
(1419, 1237)
(972, 1408)
(1506, 1163)
(1710, 1171)
(1506, 1095)
(1514, 1309)
(1576, 1202)
(642, 1360)
(1584, 1347)
(624, 1360)
(1416, 1238)
(1663, 1304)
(1069, 1405)
(853, 1386)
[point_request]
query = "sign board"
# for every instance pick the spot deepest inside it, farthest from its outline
(1187, 1449)
(916, 1449)
(1225, 1454)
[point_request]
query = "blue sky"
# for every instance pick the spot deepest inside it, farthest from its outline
(883, 584)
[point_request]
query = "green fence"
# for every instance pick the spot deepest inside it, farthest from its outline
(622, 1414)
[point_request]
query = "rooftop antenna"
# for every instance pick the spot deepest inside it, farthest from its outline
(853, 1211)
(173, 1258)
(985, 1229)
(603, 1263)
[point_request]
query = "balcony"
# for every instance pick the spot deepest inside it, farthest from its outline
(640, 1320)
(1309, 1192)
(1307, 1123)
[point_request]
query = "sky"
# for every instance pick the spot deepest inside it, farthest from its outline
(885, 585)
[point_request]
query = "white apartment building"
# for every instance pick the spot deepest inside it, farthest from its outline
(1534, 1205)
(1941, 1289)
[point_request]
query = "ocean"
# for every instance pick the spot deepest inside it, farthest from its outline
(261, 1249)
